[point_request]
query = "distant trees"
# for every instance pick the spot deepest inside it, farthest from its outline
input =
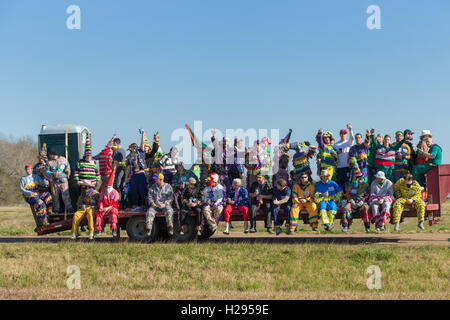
(14, 155)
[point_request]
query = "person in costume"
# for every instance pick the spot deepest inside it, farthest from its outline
(105, 162)
(118, 157)
(381, 199)
(40, 167)
(223, 159)
(304, 151)
(237, 199)
(402, 158)
(385, 155)
(360, 152)
(254, 158)
(303, 198)
(261, 194)
(327, 195)
(408, 134)
(86, 204)
(168, 163)
(86, 169)
(371, 153)
(408, 192)
(237, 169)
(58, 174)
(281, 200)
(342, 148)
(433, 156)
(41, 202)
(160, 197)
(108, 204)
(355, 198)
(179, 183)
(151, 152)
(266, 168)
(281, 160)
(328, 155)
(213, 201)
(135, 173)
(191, 201)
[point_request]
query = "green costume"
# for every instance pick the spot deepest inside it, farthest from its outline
(420, 170)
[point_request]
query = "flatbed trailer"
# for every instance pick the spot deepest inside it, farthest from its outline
(133, 222)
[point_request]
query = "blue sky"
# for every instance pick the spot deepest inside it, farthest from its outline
(232, 64)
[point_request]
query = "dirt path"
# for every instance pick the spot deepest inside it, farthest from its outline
(408, 239)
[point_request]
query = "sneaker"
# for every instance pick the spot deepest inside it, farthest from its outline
(45, 222)
(227, 228)
(397, 226)
(345, 229)
(252, 230)
(149, 232)
(199, 233)
(326, 227)
(421, 225)
(314, 228)
(278, 231)
(367, 229)
(91, 236)
(74, 236)
(170, 231)
(269, 230)
(114, 233)
(330, 227)
(245, 226)
(98, 232)
(288, 231)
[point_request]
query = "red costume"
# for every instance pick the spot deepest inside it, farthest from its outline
(108, 199)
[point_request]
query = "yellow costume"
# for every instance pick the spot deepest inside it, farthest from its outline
(86, 204)
(307, 193)
(403, 192)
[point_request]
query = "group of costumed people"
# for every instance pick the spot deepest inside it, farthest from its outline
(366, 176)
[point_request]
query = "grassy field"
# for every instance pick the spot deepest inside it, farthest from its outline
(220, 271)
(217, 271)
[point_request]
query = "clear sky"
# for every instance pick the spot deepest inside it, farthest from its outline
(232, 64)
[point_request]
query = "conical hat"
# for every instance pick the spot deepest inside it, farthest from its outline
(43, 153)
(110, 181)
(87, 146)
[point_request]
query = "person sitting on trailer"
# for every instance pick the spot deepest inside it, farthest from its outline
(385, 154)
(153, 174)
(214, 194)
(434, 158)
(303, 198)
(58, 173)
(381, 199)
(360, 151)
(40, 167)
(87, 204)
(261, 195)
(108, 204)
(237, 199)
(327, 195)
(41, 202)
(408, 192)
(178, 183)
(118, 158)
(160, 197)
(191, 201)
(223, 159)
(402, 158)
(355, 198)
(281, 200)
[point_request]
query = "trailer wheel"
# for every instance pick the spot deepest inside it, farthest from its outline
(207, 233)
(189, 235)
(136, 229)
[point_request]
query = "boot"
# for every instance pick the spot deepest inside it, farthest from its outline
(170, 230)
(91, 236)
(397, 226)
(227, 228)
(421, 225)
(245, 226)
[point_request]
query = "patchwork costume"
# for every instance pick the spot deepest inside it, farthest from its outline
(360, 152)
(327, 205)
(401, 165)
(305, 192)
(384, 192)
(41, 202)
(413, 192)
(300, 159)
(108, 199)
(212, 212)
(86, 171)
(87, 202)
(327, 154)
(158, 195)
(56, 173)
(385, 157)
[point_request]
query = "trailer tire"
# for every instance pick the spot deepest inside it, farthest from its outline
(136, 230)
(189, 235)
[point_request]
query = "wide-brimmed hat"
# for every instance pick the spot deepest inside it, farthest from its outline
(380, 175)
(426, 133)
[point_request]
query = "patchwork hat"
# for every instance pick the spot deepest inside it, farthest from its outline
(87, 146)
(43, 153)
